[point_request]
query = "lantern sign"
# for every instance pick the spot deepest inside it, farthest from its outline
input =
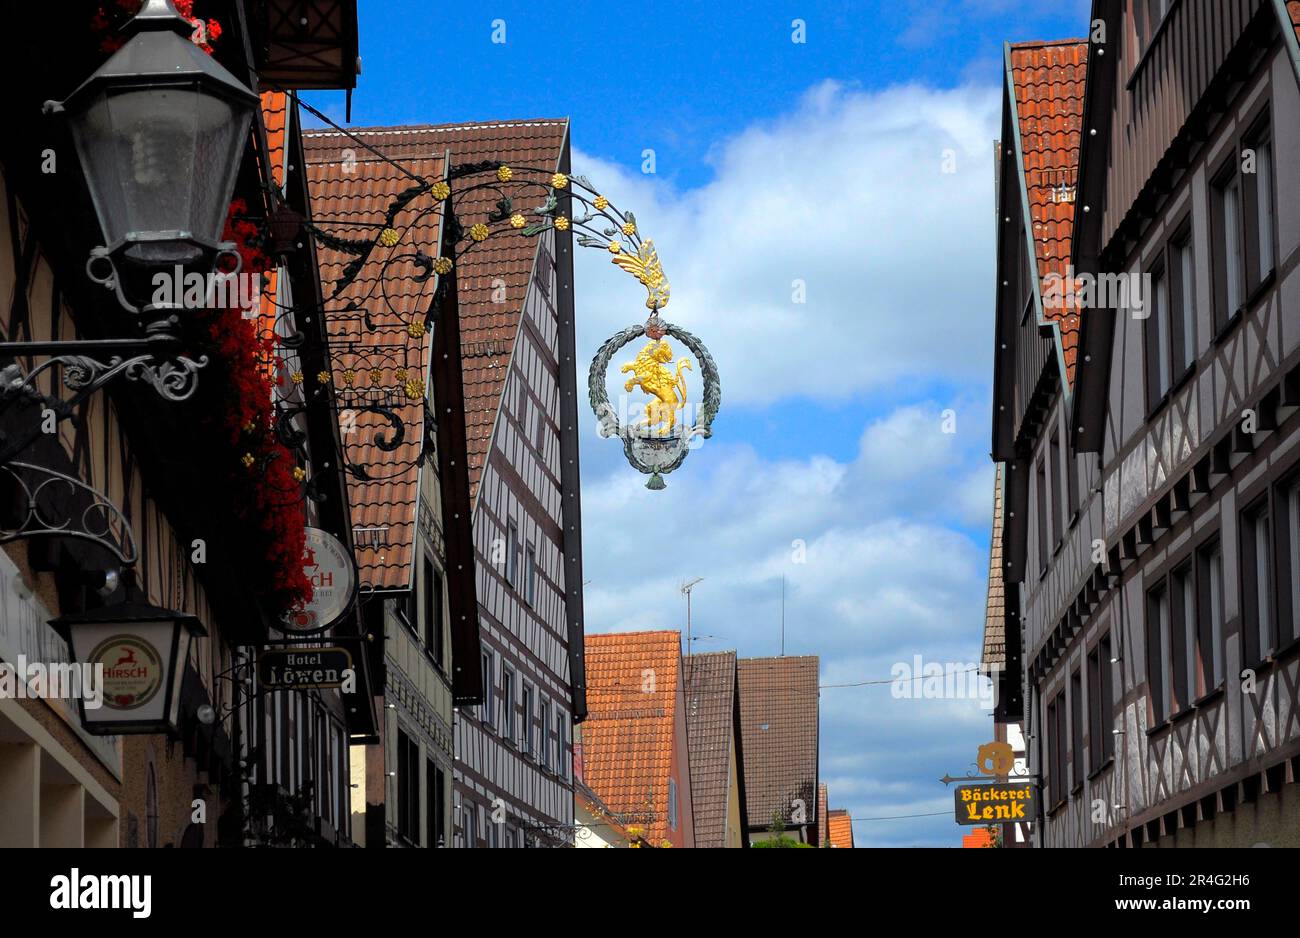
(158, 130)
(332, 570)
(994, 803)
(137, 654)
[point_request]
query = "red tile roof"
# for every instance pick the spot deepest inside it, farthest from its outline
(1048, 82)
(840, 828)
(628, 736)
(979, 837)
(778, 728)
(710, 720)
(372, 362)
(488, 329)
(1293, 7)
(274, 116)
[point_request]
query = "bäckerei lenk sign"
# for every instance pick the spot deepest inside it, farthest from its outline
(994, 803)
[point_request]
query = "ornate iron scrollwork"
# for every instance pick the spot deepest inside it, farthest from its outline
(53, 504)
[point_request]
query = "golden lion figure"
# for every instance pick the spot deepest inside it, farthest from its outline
(651, 374)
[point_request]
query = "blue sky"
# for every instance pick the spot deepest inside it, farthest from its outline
(778, 162)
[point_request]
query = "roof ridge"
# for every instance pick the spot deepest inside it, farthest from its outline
(676, 632)
(398, 129)
(1047, 43)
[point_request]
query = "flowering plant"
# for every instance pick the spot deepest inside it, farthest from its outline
(111, 15)
(258, 471)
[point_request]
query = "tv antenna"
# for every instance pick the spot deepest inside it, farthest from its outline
(686, 591)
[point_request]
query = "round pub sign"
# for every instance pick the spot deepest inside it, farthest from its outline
(333, 574)
(133, 671)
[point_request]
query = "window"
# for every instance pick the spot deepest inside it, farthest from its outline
(530, 574)
(672, 804)
(1226, 217)
(1289, 559)
(1256, 582)
(1258, 194)
(1182, 303)
(1157, 340)
(1055, 730)
(485, 709)
(1043, 507)
(471, 825)
(435, 792)
(408, 787)
(512, 555)
(491, 834)
(1182, 644)
(1076, 728)
(544, 743)
(1209, 618)
(1157, 634)
(1071, 464)
(561, 735)
(1061, 519)
(433, 624)
(508, 706)
(1147, 17)
(527, 708)
(1101, 739)
(404, 606)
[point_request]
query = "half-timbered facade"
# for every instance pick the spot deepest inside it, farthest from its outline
(513, 744)
(1151, 497)
(514, 751)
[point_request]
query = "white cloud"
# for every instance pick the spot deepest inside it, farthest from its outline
(847, 194)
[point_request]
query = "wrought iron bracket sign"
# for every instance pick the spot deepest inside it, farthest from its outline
(303, 668)
(994, 803)
(656, 442)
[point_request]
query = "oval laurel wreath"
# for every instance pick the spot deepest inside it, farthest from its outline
(604, 410)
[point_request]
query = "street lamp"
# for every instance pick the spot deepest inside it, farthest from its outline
(158, 130)
(142, 650)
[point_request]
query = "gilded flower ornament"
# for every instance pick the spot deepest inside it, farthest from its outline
(415, 329)
(517, 221)
(504, 173)
(601, 203)
(440, 191)
(561, 223)
(389, 237)
(479, 232)
(442, 265)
